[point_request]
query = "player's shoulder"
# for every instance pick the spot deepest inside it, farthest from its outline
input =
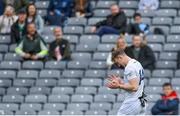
(133, 64)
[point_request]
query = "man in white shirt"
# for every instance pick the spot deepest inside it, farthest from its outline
(133, 84)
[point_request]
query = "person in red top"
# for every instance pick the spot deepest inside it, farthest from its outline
(169, 102)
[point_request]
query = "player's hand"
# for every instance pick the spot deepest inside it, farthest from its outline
(93, 29)
(114, 82)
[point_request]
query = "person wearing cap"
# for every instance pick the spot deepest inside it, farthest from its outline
(18, 29)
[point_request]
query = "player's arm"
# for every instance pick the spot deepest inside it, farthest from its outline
(132, 85)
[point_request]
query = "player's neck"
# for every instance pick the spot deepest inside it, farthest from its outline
(128, 59)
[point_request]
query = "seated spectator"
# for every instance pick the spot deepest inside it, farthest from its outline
(169, 102)
(58, 11)
(33, 17)
(2, 7)
(32, 46)
(18, 29)
(7, 19)
(138, 27)
(17, 4)
(141, 52)
(148, 4)
(60, 48)
(113, 24)
(83, 8)
(120, 44)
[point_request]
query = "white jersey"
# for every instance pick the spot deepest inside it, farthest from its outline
(131, 105)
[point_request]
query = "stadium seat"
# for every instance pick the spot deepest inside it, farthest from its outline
(129, 4)
(46, 82)
(166, 65)
(73, 30)
(48, 112)
(153, 90)
(13, 99)
(80, 98)
(32, 106)
(78, 106)
(101, 12)
(81, 56)
(3, 48)
(86, 47)
(17, 91)
(175, 81)
(86, 90)
(63, 90)
(68, 82)
(89, 39)
(55, 65)
(101, 106)
(9, 106)
(104, 90)
(54, 106)
(5, 39)
(76, 21)
(5, 82)
(7, 74)
(12, 57)
(158, 81)
(39, 90)
(25, 112)
(36, 65)
(175, 30)
(73, 39)
(177, 73)
(105, 47)
(59, 98)
(173, 38)
(2, 92)
(109, 38)
(94, 20)
(95, 74)
(6, 112)
(166, 13)
(72, 73)
(27, 74)
(95, 112)
(162, 21)
(170, 4)
(42, 4)
(172, 47)
(77, 65)
(100, 56)
(177, 20)
(23, 82)
(98, 65)
(36, 98)
(104, 4)
(162, 73)
(10, 65)
(168, 56)
(104, 98)
(91, 82)
(49, 74)
(72, 112)
(153, 97)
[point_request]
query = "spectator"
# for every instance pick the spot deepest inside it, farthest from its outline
(120, 44)
(17, 4)
(148, 4)
(60, 48)
(113, 24)
(18, 29)
(138, 27)
(61, 7)
(7, 19)
(32, 46)
(83, 8)
(169, 102)
(2, 7)
(59, 11)
(32, 16)
(141, 52)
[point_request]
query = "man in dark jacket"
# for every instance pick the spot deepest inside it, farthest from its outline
(113, 24)
(60, 48)
(141, 52)
(18, 29)
(32, 46)
(169, 102)
(138, 27)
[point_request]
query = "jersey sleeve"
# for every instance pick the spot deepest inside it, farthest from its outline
(131, 73)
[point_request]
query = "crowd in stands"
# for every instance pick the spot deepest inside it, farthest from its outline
(20, 19)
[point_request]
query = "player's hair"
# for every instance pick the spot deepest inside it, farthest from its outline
(167, 84)
(116, 53)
